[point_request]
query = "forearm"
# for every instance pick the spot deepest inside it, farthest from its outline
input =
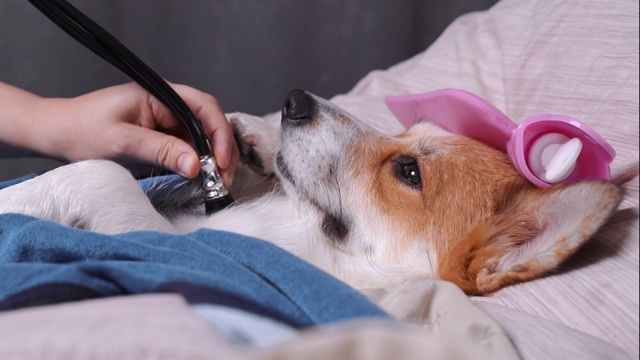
(19, 112)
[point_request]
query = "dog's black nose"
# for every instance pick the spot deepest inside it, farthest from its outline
(298, 108)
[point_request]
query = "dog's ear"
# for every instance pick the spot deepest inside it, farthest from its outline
(531, 232)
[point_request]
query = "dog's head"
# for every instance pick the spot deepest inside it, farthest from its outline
(446, 205)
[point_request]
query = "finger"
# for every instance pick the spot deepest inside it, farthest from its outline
(217, 128)
(223, 145)
(226, 153)
(156, 148)
(215, 123)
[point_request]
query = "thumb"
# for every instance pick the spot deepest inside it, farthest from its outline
(170, 152)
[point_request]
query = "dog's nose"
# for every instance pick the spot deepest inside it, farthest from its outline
(298, 108)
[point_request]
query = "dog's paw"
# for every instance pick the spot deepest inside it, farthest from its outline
(257, 140)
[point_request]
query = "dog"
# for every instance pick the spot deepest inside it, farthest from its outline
(368, 208)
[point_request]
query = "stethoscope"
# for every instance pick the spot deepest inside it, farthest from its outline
(93, 36)
(545, 149)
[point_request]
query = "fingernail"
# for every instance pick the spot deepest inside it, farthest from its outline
(185, 163)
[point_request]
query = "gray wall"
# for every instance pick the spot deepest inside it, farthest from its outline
(248, 53)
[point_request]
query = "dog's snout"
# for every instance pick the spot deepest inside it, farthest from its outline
(298, 108)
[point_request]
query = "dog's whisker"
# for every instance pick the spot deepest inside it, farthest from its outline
(430, 262)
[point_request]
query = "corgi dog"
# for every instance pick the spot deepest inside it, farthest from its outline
(368, 208)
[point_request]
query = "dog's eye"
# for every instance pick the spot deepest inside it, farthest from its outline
(408, 171)
(412, 173)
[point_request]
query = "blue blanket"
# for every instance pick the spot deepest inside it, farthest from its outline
(45, 263)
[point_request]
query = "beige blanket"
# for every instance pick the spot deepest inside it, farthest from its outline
(163, 327)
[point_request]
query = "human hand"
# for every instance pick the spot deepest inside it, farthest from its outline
(126, 124)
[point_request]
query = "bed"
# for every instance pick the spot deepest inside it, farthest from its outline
(578, 58)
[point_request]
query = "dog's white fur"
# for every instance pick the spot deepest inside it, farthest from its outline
(330, 208)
